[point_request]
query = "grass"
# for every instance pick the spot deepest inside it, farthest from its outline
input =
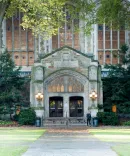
(122, 150)
(15, 151)
(120, 136)
(112, 135)
(15, 141)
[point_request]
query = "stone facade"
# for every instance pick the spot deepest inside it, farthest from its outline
(66, 77)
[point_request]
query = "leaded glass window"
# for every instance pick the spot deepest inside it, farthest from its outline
(65, 84)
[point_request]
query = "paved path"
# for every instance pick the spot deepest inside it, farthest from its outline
(69, 143)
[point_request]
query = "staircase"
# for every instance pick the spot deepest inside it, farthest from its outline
(64, 122)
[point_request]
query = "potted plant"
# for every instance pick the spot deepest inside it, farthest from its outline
(95, 121)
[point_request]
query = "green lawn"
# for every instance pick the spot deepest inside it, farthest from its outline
(121, 138)
(15, 141)
(122, 150)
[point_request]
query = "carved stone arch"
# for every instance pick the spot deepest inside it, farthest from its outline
(81, 78)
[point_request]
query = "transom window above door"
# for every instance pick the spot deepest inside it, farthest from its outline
(65, 84)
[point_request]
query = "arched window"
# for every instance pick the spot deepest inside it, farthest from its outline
(65, 84)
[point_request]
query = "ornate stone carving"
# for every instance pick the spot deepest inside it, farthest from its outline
(78, 76)
(93, 73)
(39, 73)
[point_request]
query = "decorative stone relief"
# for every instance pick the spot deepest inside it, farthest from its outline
(93, 73)
(39, 73)
(66, 61)
(78, 76)
(39, 87)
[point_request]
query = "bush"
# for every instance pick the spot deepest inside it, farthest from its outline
(108, 118)
(16, 117)
(27, 117)
(127, 123)
(7, 123)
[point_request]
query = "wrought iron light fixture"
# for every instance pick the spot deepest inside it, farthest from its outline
(93, 95)
(39, 96)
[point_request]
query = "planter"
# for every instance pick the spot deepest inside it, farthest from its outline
(95, 122)
(39, 113)
(94, 112)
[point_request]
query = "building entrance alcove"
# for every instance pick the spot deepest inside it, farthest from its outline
(65, 77)
(76, 105)
(56, 106)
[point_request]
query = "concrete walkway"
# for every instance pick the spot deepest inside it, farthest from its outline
(69, 143)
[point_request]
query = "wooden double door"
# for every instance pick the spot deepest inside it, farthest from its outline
(76, 106)
(56, 106)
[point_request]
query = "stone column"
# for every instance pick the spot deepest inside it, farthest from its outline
(82, 36)
(86, 98)
(46, 102)
(4, 33)
(66, 106)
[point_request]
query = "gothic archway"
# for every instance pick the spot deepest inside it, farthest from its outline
(65, 84)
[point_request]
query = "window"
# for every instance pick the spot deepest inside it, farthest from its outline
(107, 56)
(16, 57)
(65, 82)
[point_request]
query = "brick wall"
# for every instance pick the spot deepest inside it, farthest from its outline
(20, 42)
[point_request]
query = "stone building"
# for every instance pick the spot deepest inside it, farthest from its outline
(65, 68)
(66, 77)
(103, 43)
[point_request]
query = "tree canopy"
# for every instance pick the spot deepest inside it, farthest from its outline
(46, 16)
(11, 84)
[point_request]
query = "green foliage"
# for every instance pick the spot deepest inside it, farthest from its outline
(7, 123)
(10, 84)
(116, 87)
(108, 118)
(115, 13)
(27, 117)
(127, 123)
(124, 48)
(44, 17)
(16, 117)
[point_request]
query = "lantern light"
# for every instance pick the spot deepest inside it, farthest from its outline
(39, 96)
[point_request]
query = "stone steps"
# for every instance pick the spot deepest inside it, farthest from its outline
(64, 122)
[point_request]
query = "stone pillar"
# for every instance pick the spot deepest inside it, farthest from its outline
(82, 36)
(4, 33)
(95, 43)
(66, 106)
(46, 103)
(86, 98)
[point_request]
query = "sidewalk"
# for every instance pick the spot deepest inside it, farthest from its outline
(65, 142)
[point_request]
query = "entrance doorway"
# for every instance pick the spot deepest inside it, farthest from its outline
(76, 106)
(56, 106)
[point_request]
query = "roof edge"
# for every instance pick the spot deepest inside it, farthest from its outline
(59, 49)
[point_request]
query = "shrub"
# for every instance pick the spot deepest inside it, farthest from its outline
(16, 117)
(108, 118)
(127, 123)
(27, 117)
(7, 123)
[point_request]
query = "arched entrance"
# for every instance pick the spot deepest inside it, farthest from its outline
(76, 105)
(56, 106)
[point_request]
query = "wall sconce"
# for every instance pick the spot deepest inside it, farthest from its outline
(93, 95)
(39, 96)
